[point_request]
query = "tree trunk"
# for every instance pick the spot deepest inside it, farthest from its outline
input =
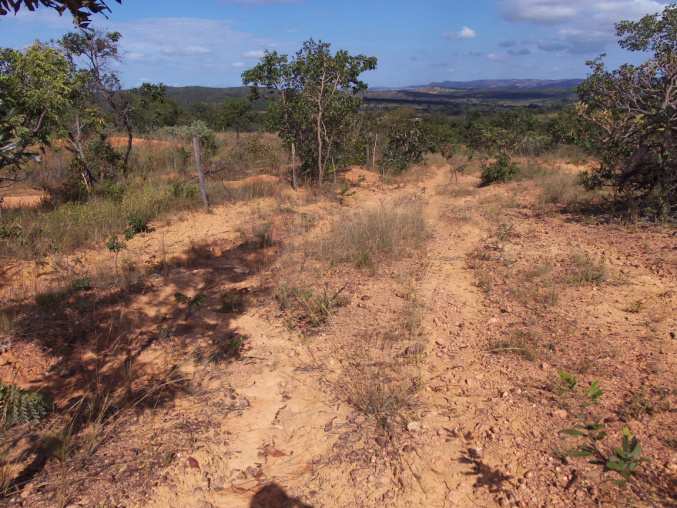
(373, 153)
(320, 166)
(130, 144)
(294, 182)
(200, 172)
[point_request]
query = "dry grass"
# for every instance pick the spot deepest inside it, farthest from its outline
(520, 342)
(369, 236)
(586, 270)
(307, 310)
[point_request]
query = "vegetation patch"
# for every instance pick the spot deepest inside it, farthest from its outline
(369, 236)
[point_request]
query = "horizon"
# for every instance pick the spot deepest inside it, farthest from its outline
(415, 44)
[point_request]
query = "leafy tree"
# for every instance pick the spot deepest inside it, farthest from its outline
(151, 108)
(96, 52)
(81, 10)
(236, 114)
(405, 142)
(315, 98)
(36, 87)
(632, 112)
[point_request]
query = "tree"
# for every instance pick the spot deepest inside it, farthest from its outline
(236, 114)
(81, 10)
(151, 108)
(98, 51)
(315, 98)
(36, 87)
(632, 112)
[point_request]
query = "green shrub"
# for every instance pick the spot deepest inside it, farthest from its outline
(501, 170)
(137, 224)
(22, 406)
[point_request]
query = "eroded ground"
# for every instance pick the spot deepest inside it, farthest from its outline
(431, 379)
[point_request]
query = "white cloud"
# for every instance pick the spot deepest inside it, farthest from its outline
(466, 33)
(254, 54)
(238, 65)
(560, 11)
(585, 26)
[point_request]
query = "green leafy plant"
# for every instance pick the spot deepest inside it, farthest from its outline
(568, 380)
(499, 171)
(626, 459)
(22, 406)
(138, 223)
(594, 392)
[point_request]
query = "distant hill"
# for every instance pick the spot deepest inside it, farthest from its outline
(492, 84)
(450, 96)
(188, 95)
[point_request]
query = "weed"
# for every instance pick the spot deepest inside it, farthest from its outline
(191, 303)
(137, 224)
(594, 392)
(22, 406)
(505, 231)
(586, 270)
(307, 309)
(520, 343)
(232, 302)
(568, 380)
(559, 189)
(367, 236)
(81, 284)
(635, 307)
(375, 396)
(484, 281)
(228, 349)
(627, 458)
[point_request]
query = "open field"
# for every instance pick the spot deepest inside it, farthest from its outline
(416, 342)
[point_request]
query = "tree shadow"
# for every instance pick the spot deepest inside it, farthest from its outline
(274, 496)
(487, 476)
(95, 339)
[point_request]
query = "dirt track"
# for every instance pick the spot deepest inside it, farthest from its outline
(279, 426)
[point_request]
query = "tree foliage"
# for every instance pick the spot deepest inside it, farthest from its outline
(36, 88)
(81, 10)
(315, 99)
(632, 112)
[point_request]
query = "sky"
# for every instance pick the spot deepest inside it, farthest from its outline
(210, 42)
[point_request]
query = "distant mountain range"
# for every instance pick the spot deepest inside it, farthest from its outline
(492, 84)
(452, 96)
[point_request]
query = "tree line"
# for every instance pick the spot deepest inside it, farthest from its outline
(68, 90)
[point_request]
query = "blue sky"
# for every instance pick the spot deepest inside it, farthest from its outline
(212, 41)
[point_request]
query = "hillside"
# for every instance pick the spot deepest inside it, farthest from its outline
(450, 96)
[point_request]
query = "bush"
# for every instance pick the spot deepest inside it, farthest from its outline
(501, 170)
(631, 112)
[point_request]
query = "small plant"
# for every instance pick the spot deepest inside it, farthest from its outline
(499, 171)
(504, 231)
(587, 270)
(81, 284)
(626, 459)
(635, 307)
(228, 349)
(520, 343)
(594, 392)
(307, 309)
(22, 406)
(568, 380)
(191, 303)
(137, 224)
(115, 246)
(232, 302)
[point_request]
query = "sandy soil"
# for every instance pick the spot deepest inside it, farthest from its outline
(471, 399)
